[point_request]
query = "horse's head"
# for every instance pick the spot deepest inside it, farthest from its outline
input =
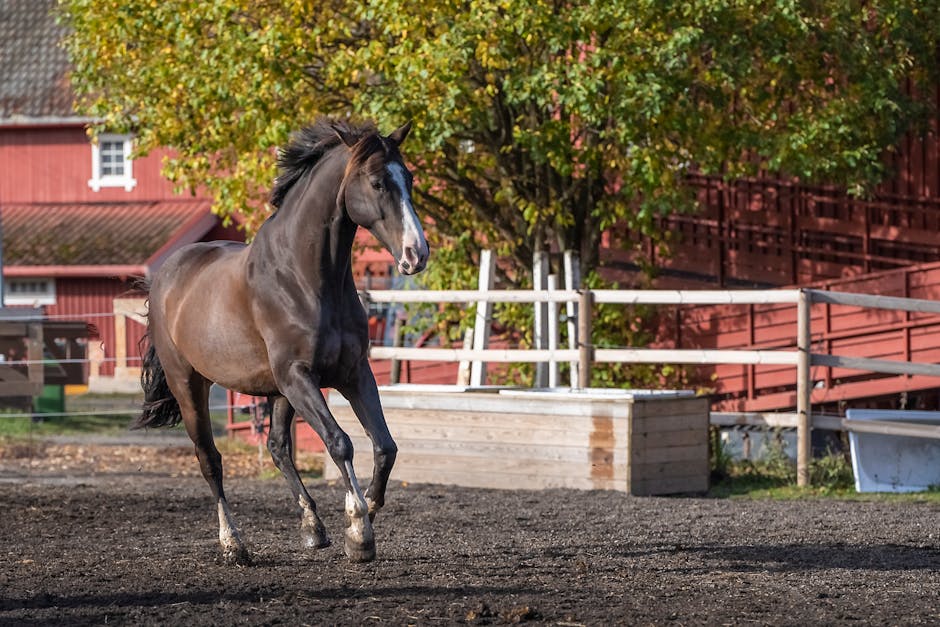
(376, 192)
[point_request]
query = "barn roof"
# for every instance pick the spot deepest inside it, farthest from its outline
(99, 238)
(34, 67)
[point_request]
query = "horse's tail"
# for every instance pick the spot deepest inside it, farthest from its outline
(160, 408)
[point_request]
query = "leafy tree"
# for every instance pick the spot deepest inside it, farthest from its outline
(538, 123)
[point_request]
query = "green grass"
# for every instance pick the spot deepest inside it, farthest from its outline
(774, 477)
(105, 414)
(19, 426)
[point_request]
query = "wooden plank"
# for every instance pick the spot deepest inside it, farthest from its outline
(463, 354)
(663, 439)
(667, 407)
(34, 345)
(12, 329)
(671, 454)
(120, 341)
(877, 302)
(692, 356)
(877, 365)
(505, 482)
(509, 465)
(493, 451)
(20, 388)
(510, 435)
(647, 471)
(553, 426)
(477, 402)
(658, 424)
(468, 296)
(517, 473)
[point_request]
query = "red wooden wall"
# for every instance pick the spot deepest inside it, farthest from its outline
(53, 164)
(92, 300)
(836, 329)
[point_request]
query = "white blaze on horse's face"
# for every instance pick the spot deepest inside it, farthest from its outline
(414, 246)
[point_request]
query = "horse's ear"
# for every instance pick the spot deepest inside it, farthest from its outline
(400, 133)
(344, 134)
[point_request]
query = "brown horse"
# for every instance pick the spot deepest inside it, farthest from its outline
(280, 317)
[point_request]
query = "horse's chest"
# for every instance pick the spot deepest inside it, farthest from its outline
(339, 354)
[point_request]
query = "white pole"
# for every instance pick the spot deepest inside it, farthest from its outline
(484, 315)
(572, 283)
(540, 284)
(552, 332)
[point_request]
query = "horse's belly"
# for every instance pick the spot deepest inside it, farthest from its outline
(241, 368)
(229, 354)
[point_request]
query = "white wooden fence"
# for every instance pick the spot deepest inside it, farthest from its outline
(583, 353)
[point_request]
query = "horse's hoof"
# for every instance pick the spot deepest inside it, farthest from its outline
(236, 556)
(315, 538)
(358, 553)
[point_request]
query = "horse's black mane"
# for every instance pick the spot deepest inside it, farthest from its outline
(307, 146)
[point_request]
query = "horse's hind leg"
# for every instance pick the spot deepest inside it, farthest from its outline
(194, 405)
(280, 445)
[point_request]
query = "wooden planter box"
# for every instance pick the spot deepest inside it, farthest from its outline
(639, 442)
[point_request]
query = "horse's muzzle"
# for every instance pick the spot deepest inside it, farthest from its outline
(413, 259)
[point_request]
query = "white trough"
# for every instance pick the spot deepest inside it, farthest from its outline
(638, 441)
(893, 463)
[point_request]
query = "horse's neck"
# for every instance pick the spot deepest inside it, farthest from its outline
(312, 230)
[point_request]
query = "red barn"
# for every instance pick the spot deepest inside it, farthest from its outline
(81, 220)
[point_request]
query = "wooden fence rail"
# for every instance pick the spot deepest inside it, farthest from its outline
(586, 353)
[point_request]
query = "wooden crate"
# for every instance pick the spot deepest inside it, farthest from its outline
(640, 442)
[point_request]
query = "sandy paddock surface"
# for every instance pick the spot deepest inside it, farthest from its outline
(127, 534)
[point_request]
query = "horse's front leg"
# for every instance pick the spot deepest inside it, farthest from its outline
(363, 397)
(280, 445)
(302, 390)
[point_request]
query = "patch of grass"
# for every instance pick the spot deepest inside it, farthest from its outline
(18, 425)
(774, 477)
(90, 413)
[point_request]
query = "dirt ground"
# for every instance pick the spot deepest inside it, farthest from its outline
(130, 538)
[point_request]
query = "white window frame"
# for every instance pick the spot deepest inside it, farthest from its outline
(97, 180)
(41, 292)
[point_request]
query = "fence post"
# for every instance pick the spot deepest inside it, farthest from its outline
(572, 282)
(398, 338)
(540, 270)
(552, 332)
(804, 388)
(483, 317)
(585, 346)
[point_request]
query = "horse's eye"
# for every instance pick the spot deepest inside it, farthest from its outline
(378, 186)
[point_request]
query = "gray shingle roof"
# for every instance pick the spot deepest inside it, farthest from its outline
(34, 67)
(125, 233)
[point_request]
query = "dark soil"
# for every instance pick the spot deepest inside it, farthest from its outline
(141, 549)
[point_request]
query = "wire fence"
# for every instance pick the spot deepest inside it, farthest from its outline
(130, 410)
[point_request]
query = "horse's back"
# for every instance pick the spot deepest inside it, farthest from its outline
(195, 258)
(189, 271)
